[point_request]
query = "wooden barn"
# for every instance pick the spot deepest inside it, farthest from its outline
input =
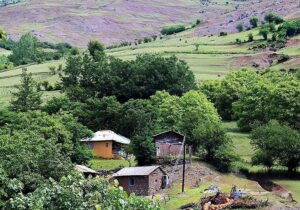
(107, 144)
(169, 143)
(144, 181)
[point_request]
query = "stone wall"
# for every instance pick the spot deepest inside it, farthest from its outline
(141, 185)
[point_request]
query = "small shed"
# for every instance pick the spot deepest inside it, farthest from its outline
(168, 143)
(86, 171)
(145, 181)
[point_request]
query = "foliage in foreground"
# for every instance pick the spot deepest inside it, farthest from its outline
(72, 192)
(35, 146)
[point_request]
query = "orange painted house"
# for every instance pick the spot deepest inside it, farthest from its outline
(107, 144)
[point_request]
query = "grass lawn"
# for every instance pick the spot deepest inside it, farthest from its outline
(241, 141)
(109, 164)
(40, 72)
(291, 185)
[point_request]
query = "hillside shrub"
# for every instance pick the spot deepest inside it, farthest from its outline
(273, 18)
(289, 28)
(264, 31)
(250, 37)
(283, 58)
(25, 50)
(222, 33)
(5, 63)
(254, 21)
(169, 30)
(240, 27)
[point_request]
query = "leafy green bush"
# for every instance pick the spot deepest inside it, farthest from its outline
(289, 28)
(169, 30)
(250, 37)
(254, 22)
(5, 63)
(283, 58)
(240, 27)
(264, 31)
(222, 33)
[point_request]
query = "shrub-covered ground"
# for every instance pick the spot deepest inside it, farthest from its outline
(76, 22)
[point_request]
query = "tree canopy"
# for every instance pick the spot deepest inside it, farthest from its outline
(86, 77)
(36, 146)
(276, 143)
(25, 50)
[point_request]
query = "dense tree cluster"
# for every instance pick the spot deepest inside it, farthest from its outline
(38, 151)
(276, 144)
(36, 146)
(223, 93)
(248, 96)
(268, 99)
(96, 75)
(273, 18)
(169, 30)
(28, 49)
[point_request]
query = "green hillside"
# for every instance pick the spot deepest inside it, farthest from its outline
(216, 56)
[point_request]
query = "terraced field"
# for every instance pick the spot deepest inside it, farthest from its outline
(216, 55)
(9, 79)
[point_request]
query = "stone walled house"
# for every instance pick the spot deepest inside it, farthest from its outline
(144, 181)
(107, 144)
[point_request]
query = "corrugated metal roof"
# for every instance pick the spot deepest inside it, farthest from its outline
(84, 169)
(107, 135)
(136, 171)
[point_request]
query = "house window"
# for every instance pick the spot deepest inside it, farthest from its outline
(131, 181)
(106, 144)
(90, 146)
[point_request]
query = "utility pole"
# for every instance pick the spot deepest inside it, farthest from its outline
(183, 169)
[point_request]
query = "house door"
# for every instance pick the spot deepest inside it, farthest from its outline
(165, 182)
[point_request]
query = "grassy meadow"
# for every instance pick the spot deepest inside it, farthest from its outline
(109, 164)
(211, 57)
(10, 78)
